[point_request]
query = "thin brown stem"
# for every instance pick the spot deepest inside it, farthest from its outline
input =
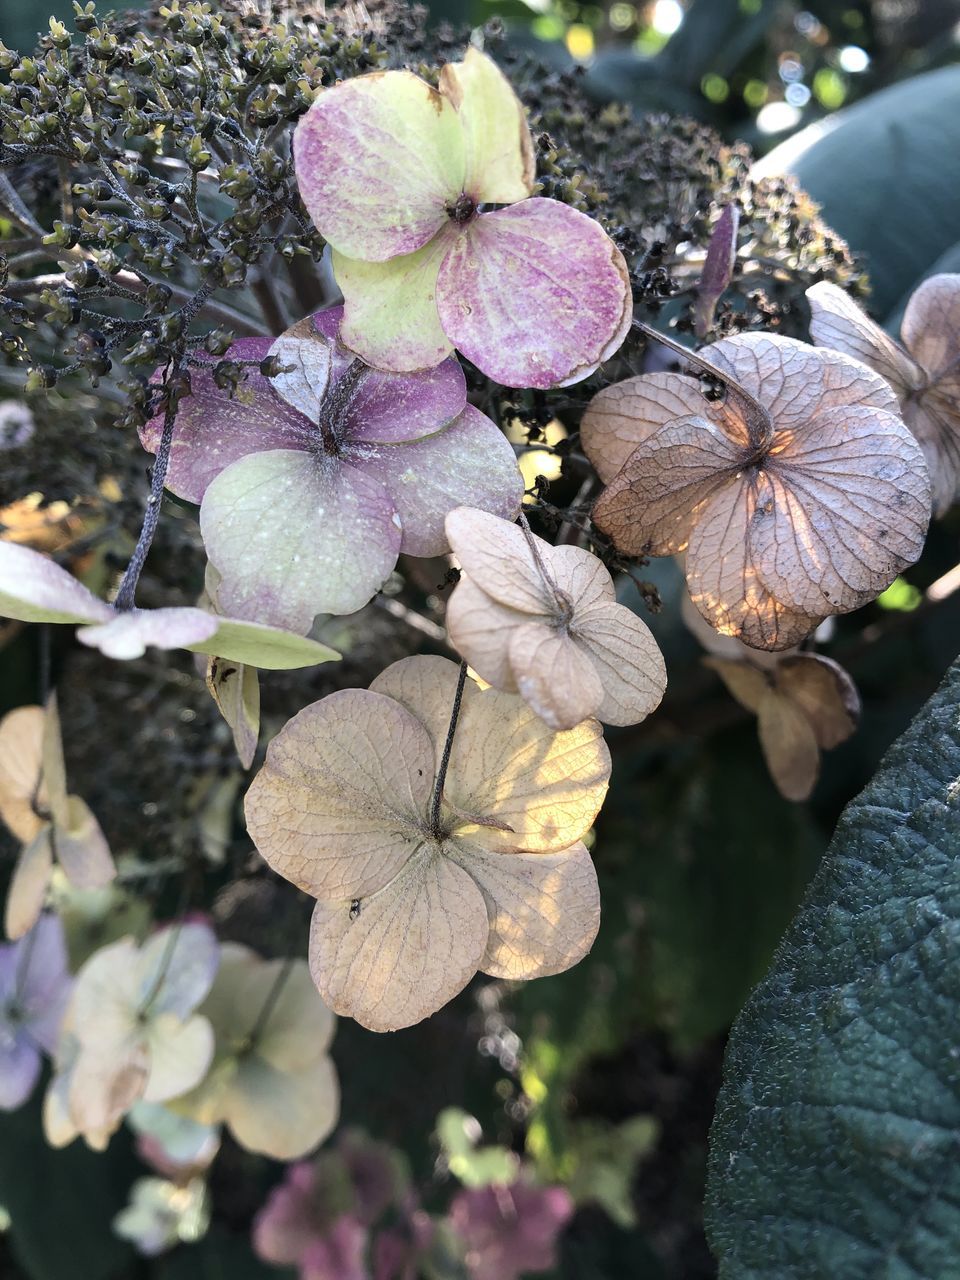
(435, 828)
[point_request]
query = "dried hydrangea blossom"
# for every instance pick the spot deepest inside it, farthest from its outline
(924, 371)
(272, 1082)
(804, 704)
(34, 990)
(395, 173)
(35, 589)
(311, 483)
(419, 885)
(544, 621)
(131, 1032)
(52, 825)
(798, 494)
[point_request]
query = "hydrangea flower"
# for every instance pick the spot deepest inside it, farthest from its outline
(35, 589)
(132, 1032)
(508, 1232)
(272, 1081)
(798, 494)
(544, 621)
(35, 805)
(311, 483)
(418, 887)
(924, 371)
(395, 175)
(162, 1214)
(34, 989)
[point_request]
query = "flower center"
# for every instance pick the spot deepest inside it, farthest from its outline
(463, 210)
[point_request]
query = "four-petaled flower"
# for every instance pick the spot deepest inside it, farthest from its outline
(544, 621)
(796, 494)
(311, 483)
(924, 371)
(395, 173)
(418, 889)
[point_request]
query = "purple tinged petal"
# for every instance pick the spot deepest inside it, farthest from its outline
(717, 267)
(295, 535)
(213, 430)
(189, 964)
(391, 408)
(127, 635)
(34, 589)
(378, 159)
(45, 952)
(470, 464)
(510, 1231)
(19, 1069)
(536, 294)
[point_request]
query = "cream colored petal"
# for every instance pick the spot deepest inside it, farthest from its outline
(500, 167)
(28, 887)
(180, 1054)
(82, 848)
(426, 687)
(105, 1082)
(651, 505)
(309, 358)
(627, 660)
(281, 1114)
(789, 747)
(824, 692)
(786, 376)
(406, 951)
(479, 629)
(338, 804)
(299, 1026)
(744, 681)
(931, 324)
(623, 415)
(543, 788)
(838, 323)
(498, 556)
(581, 576)
(842, 509)
(106, 996)
(723, 580)
(21, 749)
(544, 908)
(235, 688)
(554, 675)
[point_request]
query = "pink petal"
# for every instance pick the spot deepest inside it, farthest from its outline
(536, 294)
(212, 430)
(391, 408)
(127, 635)
(34, 589)
(471, 463)
(378, 159)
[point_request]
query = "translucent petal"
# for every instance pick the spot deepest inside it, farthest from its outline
(500, 163)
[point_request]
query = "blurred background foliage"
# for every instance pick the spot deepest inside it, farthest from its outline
(604, 1077)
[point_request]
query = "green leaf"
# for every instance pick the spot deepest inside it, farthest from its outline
(475, 1166)
(836, 1141)
(910, 130)
(254, 645)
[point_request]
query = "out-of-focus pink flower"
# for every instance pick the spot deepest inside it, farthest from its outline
(510, 1231)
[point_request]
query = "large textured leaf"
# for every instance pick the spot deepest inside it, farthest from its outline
(836, 1141)
(911, 129)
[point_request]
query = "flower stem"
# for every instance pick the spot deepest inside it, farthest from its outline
(435, 802)
(268, 1006)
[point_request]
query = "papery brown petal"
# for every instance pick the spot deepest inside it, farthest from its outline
(426, 686)
(931, 325)
(407, 952)
(543, 908)
(789, 747)
(627, 660)
(723, 580)
(838, 323)
(934, 418)
(623, 415)
(842, 508)
(554, 674)
(824, 692)
(498, 557)
(337, 807)
(743, 680)
(650, 506)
